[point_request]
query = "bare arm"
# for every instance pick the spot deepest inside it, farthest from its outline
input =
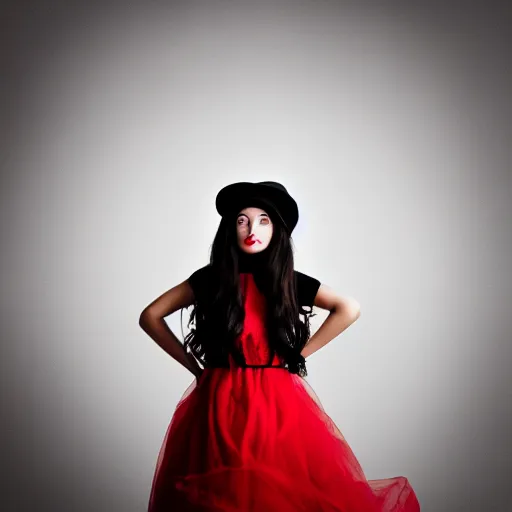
(343, 311)
(152, 321)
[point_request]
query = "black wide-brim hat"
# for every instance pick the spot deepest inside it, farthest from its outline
(264, 194)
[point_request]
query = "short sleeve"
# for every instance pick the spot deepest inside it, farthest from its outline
(307, 288)
(200, 281)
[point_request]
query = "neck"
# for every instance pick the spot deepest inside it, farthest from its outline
(251, 263)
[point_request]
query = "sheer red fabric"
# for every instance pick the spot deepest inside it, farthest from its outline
(259, 440)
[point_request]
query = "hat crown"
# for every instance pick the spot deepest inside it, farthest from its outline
(273, 184)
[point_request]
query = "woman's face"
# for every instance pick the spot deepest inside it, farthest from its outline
(254, 230)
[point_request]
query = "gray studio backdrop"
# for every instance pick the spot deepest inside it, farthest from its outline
(390, 124)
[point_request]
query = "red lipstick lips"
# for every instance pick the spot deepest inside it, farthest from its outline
(249, 241)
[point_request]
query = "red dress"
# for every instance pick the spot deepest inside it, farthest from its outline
(258, 440)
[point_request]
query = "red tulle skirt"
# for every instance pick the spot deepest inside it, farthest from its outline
(258, 439)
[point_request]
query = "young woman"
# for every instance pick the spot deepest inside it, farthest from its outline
(249, 434)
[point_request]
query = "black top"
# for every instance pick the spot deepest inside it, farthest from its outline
(307, 286)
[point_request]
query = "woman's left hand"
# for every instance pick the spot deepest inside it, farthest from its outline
(198, 376)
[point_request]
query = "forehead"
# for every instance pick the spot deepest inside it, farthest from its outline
(252, 211)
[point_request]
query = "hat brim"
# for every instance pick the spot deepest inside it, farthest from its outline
(239, 195)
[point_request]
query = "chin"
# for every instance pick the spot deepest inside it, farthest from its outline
(252, 249)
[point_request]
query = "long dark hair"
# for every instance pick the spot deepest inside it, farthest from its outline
(218, 318)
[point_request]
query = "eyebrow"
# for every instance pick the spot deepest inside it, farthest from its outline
(260, 215)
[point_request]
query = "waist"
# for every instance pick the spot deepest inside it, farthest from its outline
(247, 366)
